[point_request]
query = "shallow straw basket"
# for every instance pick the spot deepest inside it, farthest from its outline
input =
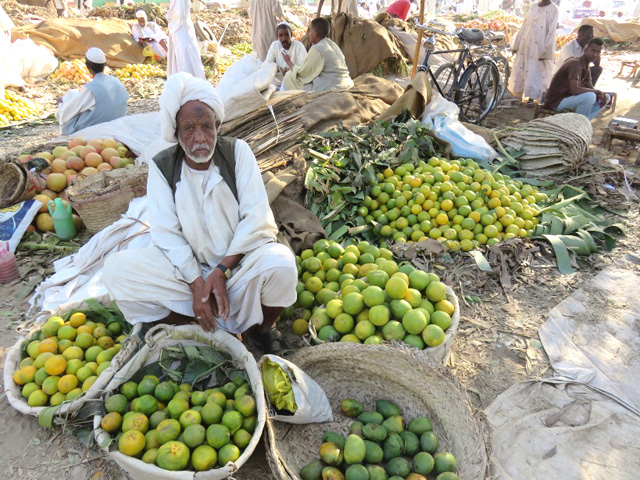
(438, 354)
(394, 373)
(13, 185)
(102, 198)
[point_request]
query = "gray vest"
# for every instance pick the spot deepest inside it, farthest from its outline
(111, 103)
(169, 162)
(335, 74)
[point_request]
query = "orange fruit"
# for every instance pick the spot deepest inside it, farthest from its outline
(67, 383)
(111, 422)
(27, 374)
(77, 319)
(55, 365)
(48, 345)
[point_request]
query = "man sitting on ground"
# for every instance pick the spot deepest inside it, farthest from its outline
(575, 48)
(149, 33)
(285, 47)
(571, 87)
(214, 255)
(103, 99)
(324, 68)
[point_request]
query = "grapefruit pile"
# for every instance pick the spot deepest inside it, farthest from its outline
(360, 294)
(14, 108)
(72, 71)
(177, 428)
(66, 163)
(455, 202)
(66, 358)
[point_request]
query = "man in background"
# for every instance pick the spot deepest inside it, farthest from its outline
(103, 99)
(575, 48)
(325, 67)
(149, 33)
(183, 54)
(283, 47)
(399, 9)
(264, 15)
(534, 46)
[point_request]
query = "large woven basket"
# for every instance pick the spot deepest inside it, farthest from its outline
(102, 198)
(395, 373)
(14, 187)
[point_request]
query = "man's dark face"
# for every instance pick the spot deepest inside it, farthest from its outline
(584, 37)
(197, 130)
(142, 21)
(284, 37)
(592, 52)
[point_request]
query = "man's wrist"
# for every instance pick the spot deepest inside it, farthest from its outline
(224, 270)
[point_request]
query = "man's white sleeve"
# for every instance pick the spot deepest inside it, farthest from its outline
(166, 230)
(73, 104)
(257, 225)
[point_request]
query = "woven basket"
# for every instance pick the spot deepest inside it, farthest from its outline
(101, 199)
(438, 354)
(13, 183)
(420, 388)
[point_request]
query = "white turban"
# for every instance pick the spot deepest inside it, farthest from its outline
(141, 14)
(95, 55)
(179, 89)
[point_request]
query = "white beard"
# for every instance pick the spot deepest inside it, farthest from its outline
(196, 158)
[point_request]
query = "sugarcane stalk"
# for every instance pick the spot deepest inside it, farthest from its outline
(48, 248)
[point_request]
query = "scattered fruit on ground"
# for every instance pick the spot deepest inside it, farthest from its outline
(14, 108)
(139, 71)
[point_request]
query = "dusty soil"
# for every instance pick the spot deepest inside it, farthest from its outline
(497, 344)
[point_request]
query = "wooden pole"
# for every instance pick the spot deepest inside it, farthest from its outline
(416, 56)
(320, 4)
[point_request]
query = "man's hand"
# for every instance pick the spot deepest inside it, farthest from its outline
(202, 308)
(216, 290)
(287, 59)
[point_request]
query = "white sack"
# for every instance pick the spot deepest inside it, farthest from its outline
(442, 116)
(313, 405)
(246, 86)
(37, 60)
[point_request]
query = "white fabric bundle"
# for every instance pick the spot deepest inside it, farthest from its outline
(180, 89)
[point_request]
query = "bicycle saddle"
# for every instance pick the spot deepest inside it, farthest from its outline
(497, 36)
(471, 35)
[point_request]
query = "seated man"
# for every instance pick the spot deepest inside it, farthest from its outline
(575, 48)
(324, 68)
(103, 99)
(282, 47)
(214, 255)
(399, 9)
(149, 33)
(571, 87)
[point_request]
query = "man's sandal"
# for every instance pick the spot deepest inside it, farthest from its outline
(272, 342)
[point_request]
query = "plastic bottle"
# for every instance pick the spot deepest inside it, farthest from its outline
(62, 219)
(8, 265)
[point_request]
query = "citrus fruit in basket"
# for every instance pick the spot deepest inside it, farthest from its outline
(218, 435)
(173, 456)
(168, 430)
(194, 435)
(204, 458)
(131, 443)
(111, 422)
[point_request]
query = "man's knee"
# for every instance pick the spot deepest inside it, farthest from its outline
(589, 98)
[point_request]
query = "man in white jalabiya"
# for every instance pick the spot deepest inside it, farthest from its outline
(264, 15)
(103, 99)
(149, 33)
(183, 55)
(535, 46)
(214, 255)
(282, 47)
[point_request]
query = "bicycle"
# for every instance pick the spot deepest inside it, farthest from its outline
(470, 83)
(502, 61)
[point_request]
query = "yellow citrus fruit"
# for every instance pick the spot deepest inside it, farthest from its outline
(86, 385)
(396, 287)
(77, 319)
(33, 349)
(445, 306)
(38, 399)
(41, 359)
(433, 335)
(111, 422)
(67, 332)
(85, 329)
(299, 327)
(55, 365)
(67, 383)
(85, 340)
(17, 378)
(73, 353)
(131, 443)
(105, 342)
(48, 345)
(27, 374)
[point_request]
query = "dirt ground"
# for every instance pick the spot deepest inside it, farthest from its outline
(497, 343)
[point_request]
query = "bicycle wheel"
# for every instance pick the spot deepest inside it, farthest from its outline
(445, 76)
(478, 91)
(503, 72)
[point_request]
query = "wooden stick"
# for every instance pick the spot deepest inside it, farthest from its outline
(320, 7)
(416, 56)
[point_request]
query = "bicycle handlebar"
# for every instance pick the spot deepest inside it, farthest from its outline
(433, 30)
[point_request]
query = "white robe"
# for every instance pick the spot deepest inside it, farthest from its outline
(570, 50)
(183, 55)
(535, 45)
(154, 32)
(194, 234)
(73, 103)
(296, 51)
(263, 14)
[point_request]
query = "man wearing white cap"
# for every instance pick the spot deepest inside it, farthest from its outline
(103, 99)
(214, 255)
(149, 33)
(183, 53)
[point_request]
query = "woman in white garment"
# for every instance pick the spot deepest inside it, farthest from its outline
(285, 46)
(183, 55)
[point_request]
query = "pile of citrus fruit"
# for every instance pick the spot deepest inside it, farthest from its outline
(13, 108)
(65, 358)
(139, 71)
(455, 202)
(381, 445)
(360, 294)
(72, 71)
(78, 159)
(177, 428)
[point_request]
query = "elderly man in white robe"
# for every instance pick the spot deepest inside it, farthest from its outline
(149, 33)
(183, 54)
(285, 47)
(214, 255)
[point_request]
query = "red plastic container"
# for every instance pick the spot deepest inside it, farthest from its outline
(8, 265)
